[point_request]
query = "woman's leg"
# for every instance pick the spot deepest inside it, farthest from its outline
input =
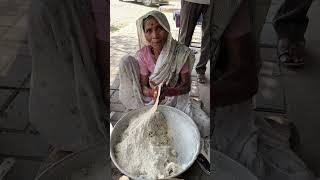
(130, 93)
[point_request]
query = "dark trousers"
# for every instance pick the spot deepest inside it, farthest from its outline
(291, 20)
(189, 15)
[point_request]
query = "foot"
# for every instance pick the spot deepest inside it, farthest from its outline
(201, 78)
(297, 53)
(291, 54)
(194, 51)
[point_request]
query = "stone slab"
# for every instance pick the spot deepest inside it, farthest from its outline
(4, 94)
(16, 115)
(22, 22)
(6, 62)
(271, 95)
(269, 69)
(16, 34)
(117, 107)
(115, 97)
(268, 35)
(23, 170)
(269, 54)
(18, 71)
(14, 48)
(3, 29)
(23, 145)
(8, 20)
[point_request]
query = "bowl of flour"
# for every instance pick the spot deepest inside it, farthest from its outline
(158, 146)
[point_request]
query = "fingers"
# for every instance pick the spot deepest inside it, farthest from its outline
(154, 93)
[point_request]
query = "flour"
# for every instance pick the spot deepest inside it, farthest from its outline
(146, 149)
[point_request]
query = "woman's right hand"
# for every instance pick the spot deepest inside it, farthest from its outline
(154, 93)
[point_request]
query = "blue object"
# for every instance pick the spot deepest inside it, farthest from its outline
(176, 18)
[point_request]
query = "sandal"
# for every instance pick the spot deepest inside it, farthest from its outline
(283, 51)
(297, 53)
(194, 51)
(290, 54)
(201, 78)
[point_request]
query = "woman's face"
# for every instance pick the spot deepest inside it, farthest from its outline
(155, 34)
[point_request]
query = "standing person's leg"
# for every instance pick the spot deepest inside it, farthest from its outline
(290, 23)
(189, 15)
(205, 45)
(291, 20)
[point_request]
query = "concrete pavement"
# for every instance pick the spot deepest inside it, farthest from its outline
(17, 138)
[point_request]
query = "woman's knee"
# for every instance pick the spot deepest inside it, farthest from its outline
(126, 61)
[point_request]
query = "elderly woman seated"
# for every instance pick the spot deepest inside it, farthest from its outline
(160, 59)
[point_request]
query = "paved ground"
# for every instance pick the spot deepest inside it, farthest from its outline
(17, 138)
(293, 93)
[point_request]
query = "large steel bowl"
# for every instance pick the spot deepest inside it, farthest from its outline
(186, 136)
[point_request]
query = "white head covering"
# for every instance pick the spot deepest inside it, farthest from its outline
(173, 54)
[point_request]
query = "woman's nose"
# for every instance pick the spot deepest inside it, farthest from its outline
(155, 34)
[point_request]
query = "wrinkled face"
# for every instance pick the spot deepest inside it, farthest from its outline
(155, 34)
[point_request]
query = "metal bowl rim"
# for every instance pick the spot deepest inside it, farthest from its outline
(144, 108)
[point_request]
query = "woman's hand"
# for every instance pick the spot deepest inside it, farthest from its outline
(154, 93)
(164, 92)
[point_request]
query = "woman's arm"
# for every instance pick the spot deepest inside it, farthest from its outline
(182, 87)
(146, 89)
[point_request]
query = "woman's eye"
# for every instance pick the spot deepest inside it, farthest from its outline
(160, 28)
